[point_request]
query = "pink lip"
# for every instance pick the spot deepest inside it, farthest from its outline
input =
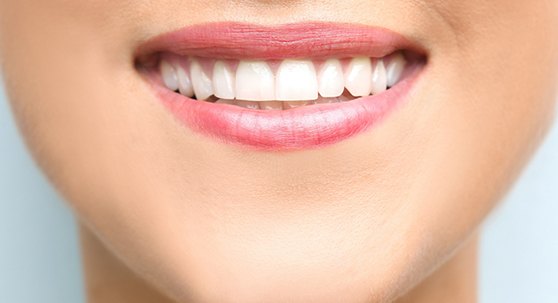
(294, 129)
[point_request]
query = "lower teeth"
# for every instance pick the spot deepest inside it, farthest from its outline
(283, 105)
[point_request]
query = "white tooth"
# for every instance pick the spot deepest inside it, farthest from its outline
(379, 77)
(331, 82)
(395, 69)
(184, 82)
(169, 75)
(296, 80)
(223, 81)
(201, 82)
(254, 81)
(358, 77)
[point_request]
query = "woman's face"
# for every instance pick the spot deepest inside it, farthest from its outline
(365, 216)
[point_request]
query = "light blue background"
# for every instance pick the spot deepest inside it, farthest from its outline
(39, 253)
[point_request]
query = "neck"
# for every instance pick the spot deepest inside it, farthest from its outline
(109, 281)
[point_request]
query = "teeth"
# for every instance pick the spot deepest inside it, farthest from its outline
(379, 77)
(331, 79)
(184, 82)
(296, 80)
(255, 81)
(358, 78)
(295, 83)
(201, 82)
(395, 69)
(169, 75)
(223, 81)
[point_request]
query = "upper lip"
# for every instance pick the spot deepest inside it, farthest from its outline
(300, 128)
(233, 40)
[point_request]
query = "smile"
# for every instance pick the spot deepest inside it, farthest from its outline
(296, 86)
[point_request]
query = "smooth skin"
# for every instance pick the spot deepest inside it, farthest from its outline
(167, 215)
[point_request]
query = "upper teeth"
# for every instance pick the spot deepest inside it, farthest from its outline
(291, 80)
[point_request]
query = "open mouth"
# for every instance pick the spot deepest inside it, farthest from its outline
(289, 87)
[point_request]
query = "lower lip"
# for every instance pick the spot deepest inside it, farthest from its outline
(305, 127)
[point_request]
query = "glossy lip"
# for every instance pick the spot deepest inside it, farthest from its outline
(299, 128)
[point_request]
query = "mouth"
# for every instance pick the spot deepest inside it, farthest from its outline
(288, 87)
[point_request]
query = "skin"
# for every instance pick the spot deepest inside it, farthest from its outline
(389, 214)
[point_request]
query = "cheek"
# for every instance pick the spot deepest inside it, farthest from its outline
(484, 108)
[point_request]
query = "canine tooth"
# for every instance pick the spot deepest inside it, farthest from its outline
(168, 73)
(254, 81)
(296, 80)
(271, 105)
(184, 82)
(395, 69)
(223, 81)
(358, 77)
(379, 77)
(247, 104)
(330, 79)
(201, 82)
